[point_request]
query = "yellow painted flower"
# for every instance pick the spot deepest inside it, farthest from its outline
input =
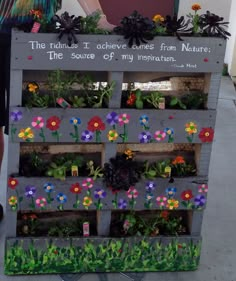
(172, 204)
(191, 128)
(87, 201)
(112, 135)
(26, 134)
(12, 200)
(158, 18)
(32, 87)
(196, 7)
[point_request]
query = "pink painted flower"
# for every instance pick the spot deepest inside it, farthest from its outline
(123, 119)
(203, 188)
(88, 183)
(159, 135)
(38, 122)
(161, 201)
(41, 202)
(132, 193)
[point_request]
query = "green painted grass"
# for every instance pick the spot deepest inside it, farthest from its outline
(103, 256)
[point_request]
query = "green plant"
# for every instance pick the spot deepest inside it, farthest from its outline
(194, 100)
(160, 168)
(94, 172)
(77, 101)
(154, 98)
(177, 103)
(149, 171)
(90, 24)
(66, 229)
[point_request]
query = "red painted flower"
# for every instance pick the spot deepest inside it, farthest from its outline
(76, 188)
(187, 195)
(96, 124)
(12, 183)
(53, 123)
(206, 134)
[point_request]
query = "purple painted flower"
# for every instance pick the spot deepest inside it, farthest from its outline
(99, 193)
(122, 204)
(145, 137)
(150, 186)
(30, 191)
(87, 136)
(200, 200)
(16, 115)
(112, 118)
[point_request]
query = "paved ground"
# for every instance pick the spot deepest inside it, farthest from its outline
(218, 260)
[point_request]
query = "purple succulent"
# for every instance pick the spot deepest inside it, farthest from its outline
(145, 137)
(200, 200)
(30, 191)
(112, 118)
(122, 204)
(99, 193)
(86, 136)
(16, 115)
(150, 186)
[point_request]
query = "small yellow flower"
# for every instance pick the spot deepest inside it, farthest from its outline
(26, 134)
(172, 204)
(196, 7)
(32, 87)
(158, 18)
(129, 153)
(87, 201)
(12, 200)
(112, 135)
(191, 128)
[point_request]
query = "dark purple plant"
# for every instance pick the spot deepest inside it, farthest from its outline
(145, 137)
(30, 191)
(16, 115)
(112, 118)
(200, 200)
(99, 193)
(86, 136)
(122, 204)
(150, 186)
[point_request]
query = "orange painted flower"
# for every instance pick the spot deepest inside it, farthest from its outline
(172, 204)
(87, 201)
(12, 201)
(191, 128)
(178, 160)
(158, 18)
(33, 87)
(26, 134)
(112, 135)
(196, 7)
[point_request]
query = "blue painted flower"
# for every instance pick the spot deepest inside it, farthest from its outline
(87, 136)
(169, 131)
(48, 187)
(148, 196)
(122, 204)
(150, 186)
(99, 193)
(200, 200)
(61, 198)
(143, 120)
(75, 121)
(30, 191)
(112, 118)
(16, 115)
(145, 137)
(170, 191)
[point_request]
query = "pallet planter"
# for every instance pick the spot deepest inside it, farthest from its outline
(152, 133)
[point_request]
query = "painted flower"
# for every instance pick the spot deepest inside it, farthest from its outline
(200, 200)
(16, 115)
(178, 160)
(169, 131)
(33, 87)
(159, 135)
(161, 201)
(132, 193)
(203, 188)
(41, 202)
(26, 134)
(148, 196)
(143, 120)
(196, 7)
(170, 191)
(112, 118)
(38, 122)
(53, 123)
(87, 136)
(172, 204)
(12, 201)
(191, 128)
(87, 201)
(76, 188)
(12, 183)
(112, 135)
(157, 18)
(123, 119)
(48, 187)
(150, 186)
(145, 137)
(122, 204)
(88, 183)
(99, 193)
(96, 124)
(75, 121)
(206, 134)
(30, 191)
(187, 195)
(61, 198)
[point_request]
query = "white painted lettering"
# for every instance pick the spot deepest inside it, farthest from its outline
(55, 56)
